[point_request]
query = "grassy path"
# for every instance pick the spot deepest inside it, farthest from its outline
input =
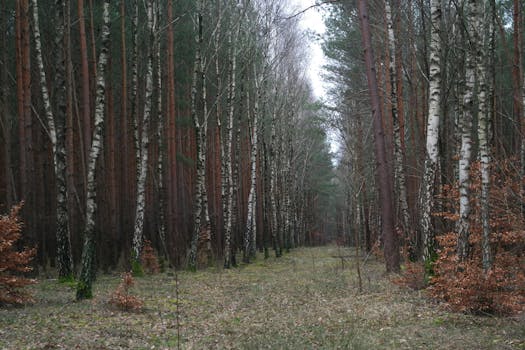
(304, 300)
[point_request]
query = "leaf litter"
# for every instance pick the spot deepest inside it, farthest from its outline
(303, 300)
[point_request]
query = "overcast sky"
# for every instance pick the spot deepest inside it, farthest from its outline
(312, 20)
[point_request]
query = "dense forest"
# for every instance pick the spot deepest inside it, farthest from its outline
(191, 127)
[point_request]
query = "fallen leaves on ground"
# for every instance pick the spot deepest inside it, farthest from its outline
(303, 300)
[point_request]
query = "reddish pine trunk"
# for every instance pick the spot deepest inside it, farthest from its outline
(172, 132)
(20, 99)
(85, 89)
(385, 184)
(126, 137)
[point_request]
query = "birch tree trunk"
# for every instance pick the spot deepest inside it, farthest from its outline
(466, 131)
(192, 259)
(144, 144)
(399, 168)
(432, 149)
(200, 230)
(87, 272)
(205, 233)
(251, 221)
(391, 247)
(228, 181)
(56, 125)
(484, 122)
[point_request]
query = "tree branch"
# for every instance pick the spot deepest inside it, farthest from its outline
(311, 7)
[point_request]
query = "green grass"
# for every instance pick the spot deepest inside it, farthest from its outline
(303, 300)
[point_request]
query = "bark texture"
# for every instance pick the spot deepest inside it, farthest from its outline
(466, 130)
(144, 144)
(56, 124)
(87, 272)
(432, 149)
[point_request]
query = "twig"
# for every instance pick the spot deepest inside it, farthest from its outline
(311, 7)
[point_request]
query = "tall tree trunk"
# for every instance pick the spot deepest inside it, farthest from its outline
(385, 186)
(432, 149)
(87, 272)
(518, 93)
(144, 142)
(485, 111)
(201, 220)
(251, 221)
(23, 80)
(125, 220)
(228, 181)
(56, 131)
(399, 167)
(171, 156)
(160, 142)
(273, 187)
(85, 90)
(22, 170)
(466, 131)
(135, 86)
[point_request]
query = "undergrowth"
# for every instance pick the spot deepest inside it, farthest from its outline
(465, 286)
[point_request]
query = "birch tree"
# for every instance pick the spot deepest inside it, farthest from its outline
(432, 149)
(486, 91)
(144, 143)
(399, 170)
(470, 20)
(251, 222)
(56, 125)
(201, 219)
(87, 272)
(227, 149)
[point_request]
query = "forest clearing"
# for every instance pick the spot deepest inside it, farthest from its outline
(202, 138)
(304, 300)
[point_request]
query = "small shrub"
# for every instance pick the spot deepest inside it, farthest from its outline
(464, 285)
(149, 259)
(122, 299)
(13, 263)
(136, 268)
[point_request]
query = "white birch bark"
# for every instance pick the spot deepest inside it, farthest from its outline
(56, 133)
(144, 143)
(399, 169)
(432, 149)
(87, 272)
(201, 228)
(192, 259)
(484, 121)
(466, 133)
(228, 203)
(203, 152)
(251, 221)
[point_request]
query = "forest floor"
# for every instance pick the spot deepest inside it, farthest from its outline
(303, 300)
